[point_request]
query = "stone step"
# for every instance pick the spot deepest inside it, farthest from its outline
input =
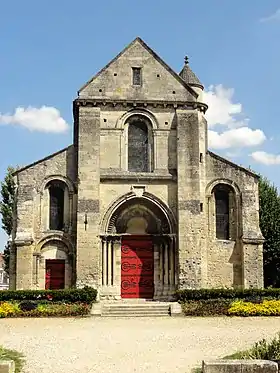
(135, 309)
(123, 309)
(135, 315)
(149, 309)
(126, 307)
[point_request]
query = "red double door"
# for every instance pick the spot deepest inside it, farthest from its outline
(55, 274)
(137, 268)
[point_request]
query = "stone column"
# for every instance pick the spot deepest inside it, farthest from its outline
(189, 219)
(87, 127)
(172, 265)
(117, 268)
(166, 268)
(111, 268)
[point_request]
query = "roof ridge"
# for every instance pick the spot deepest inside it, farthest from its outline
(155, 55)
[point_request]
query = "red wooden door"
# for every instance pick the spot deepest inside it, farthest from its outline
(55, 274)
(137, 269)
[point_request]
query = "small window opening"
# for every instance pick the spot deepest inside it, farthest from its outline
(222, 214)
(136, 75)
(173, 92)
(105, 120)
(115, 74)
(56, 210)
(200, 157)
(201, 207)
(100, 90)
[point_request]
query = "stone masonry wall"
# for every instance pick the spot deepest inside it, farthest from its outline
(29, 229)
(235, 263)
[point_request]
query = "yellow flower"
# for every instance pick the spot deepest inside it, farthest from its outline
(266, 308)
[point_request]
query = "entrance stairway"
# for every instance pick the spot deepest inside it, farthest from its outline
(137, 308)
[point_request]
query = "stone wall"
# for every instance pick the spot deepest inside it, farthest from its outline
(30, 230)
(238, 262)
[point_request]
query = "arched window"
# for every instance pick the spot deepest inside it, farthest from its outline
(139, 150)
(225, 212)
(56, 205)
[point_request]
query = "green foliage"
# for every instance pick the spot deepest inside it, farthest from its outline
(17, 357)
(27, 305)
(85, 295)
(43, 309)
(256, 295)
(270, 227)
(262, 350)
(7, 190)
(208, 307)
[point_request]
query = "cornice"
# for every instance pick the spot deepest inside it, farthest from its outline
(99, 102)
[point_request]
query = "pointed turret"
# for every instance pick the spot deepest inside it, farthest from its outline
(192, 80)
(189, 76)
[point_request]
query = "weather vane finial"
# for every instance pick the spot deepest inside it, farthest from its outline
(186, 60)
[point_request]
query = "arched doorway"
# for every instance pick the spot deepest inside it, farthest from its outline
(138, 249)
(54, 266)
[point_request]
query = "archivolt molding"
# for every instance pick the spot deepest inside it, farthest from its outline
(230, 183)
(56, 236)
(110, 216)
(137, 112)
(61, 178)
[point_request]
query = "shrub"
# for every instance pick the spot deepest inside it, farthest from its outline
(27, 305)
(262, 350)
(17, 357)
(85, 295)
(203, 294)
(32, 309)
(206, 307)
(60, 309)
(266, 308)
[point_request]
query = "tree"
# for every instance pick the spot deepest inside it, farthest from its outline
(270, 227)
(7, 191)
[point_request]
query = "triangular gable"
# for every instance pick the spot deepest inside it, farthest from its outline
(154, 55)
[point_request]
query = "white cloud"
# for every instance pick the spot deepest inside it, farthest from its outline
(43, 119)
(235, 138)
(222, 110)
(273, 17)
(228, 116)
(266, 158)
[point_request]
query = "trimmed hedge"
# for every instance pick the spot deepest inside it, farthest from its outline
(252, 295)
(207, 307)
(85, 295)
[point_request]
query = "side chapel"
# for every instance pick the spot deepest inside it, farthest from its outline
(138, 206)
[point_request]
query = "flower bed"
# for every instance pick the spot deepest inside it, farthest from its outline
(15, 309)
(231, 302)
(42, 303)
(265, 308)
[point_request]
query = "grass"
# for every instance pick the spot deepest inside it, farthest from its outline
(17, 357)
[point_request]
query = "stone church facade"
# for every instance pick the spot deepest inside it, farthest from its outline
(137, 207)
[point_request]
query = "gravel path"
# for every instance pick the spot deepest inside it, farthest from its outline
(173, 345)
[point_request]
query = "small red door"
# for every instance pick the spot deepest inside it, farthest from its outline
(137, 269)
(55, 274)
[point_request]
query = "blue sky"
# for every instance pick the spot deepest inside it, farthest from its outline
(50, 49)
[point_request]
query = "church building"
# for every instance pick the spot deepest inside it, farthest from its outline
(137, 206)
